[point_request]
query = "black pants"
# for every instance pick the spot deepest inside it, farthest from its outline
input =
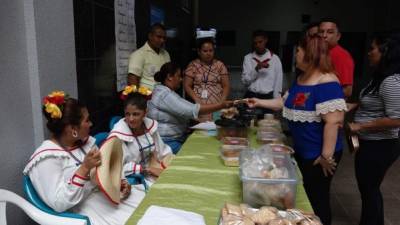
(317, 187)
(260, 111)
(371, 163)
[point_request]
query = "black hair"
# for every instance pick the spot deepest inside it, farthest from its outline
(311, 25)
(167, 68)
(136, 99)
(330, 20)
(71, 115)
(259, 33)
(156, 26)
(389, 64)
(201, 41)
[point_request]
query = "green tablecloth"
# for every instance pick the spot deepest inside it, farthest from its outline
(198, 181)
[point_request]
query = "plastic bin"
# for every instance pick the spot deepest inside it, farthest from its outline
(230, 161)
(235, 141)
(232, 150)
(269, 137)
(232, 132)
(230, 154)
(279, 148)
(268, 179)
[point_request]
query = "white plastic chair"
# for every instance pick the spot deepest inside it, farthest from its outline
(37, 215)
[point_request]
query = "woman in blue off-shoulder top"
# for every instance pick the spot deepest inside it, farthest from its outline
(314, 107)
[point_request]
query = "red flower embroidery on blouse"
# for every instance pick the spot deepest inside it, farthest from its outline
(300, 99)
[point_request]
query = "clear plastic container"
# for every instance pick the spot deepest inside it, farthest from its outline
(270, 137)
(235, 141)
(279, 148)
(232, 132)
(232, 150)
(269, 116)
(230, 161)
(268, 121)
(269, 179)
(270, 129)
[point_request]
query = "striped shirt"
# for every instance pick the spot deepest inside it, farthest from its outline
(374, 106)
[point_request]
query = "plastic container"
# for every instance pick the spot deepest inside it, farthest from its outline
(279, 148)
(232, 132)
(269, 123)
(232, 150)
(270, 129)
(270, 137)
(230, 161)
(230, 154)
(269, 116)
(235, 141)
(268, 179)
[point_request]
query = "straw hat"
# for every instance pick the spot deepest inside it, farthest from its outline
(108, 174)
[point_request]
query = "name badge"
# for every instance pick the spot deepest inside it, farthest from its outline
(204, 93)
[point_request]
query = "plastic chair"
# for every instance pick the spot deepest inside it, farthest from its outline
(100, 138)
(34, 198)
(134, 179)
(33, 212)
(113, 121)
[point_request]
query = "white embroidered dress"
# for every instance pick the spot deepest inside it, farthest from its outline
(52, 171)
(138, 149)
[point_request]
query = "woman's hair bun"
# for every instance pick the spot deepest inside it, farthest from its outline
(158, 77)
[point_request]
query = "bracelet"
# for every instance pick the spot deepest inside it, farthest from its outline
(327, 159)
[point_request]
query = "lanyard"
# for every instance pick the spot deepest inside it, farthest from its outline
(141, 150)
(206, 74)
(78, 162)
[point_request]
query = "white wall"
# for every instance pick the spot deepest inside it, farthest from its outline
(37, 55)
(280, 15)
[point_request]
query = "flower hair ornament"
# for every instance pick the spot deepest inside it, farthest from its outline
(53, 104)
(146, 92)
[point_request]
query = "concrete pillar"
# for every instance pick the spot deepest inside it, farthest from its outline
(37, 55)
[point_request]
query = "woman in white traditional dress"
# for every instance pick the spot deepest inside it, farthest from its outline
(144, 151)
(59, 169)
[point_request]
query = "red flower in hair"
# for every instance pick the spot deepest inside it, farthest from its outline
(123, 97)
(53, 103)
(300, 99)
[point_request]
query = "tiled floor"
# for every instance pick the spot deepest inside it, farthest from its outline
(345, 198)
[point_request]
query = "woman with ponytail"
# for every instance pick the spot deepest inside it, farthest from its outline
(172, 111)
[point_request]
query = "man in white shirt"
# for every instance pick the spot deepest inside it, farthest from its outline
(262, 71)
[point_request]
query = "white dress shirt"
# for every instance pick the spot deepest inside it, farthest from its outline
(264, 80)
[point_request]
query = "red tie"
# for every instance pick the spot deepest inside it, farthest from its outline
(265, 61)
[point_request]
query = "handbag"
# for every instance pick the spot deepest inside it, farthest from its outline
(352, 139)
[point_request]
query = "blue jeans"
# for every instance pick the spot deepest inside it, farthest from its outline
(175, 144)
